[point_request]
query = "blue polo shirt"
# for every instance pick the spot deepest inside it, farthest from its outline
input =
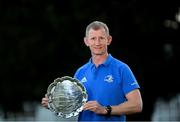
(108, 84)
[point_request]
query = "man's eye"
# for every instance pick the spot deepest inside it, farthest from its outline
(102, 38)
(93, 38)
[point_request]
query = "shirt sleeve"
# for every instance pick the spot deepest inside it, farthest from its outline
(129, 82)
(77, 74)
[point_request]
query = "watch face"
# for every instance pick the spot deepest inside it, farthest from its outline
(66, 96)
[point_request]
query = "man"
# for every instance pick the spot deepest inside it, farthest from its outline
(112, 89)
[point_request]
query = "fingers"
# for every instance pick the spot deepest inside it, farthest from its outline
(92, 108)
(95, 107)
(90, 105)
(44, 102)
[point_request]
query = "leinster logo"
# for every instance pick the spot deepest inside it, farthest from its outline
(108, 78)
(66, 96)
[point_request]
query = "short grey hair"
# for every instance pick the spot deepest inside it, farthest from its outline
(97, 25)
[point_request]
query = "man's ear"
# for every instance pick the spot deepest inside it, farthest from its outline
(109, 40)
(86, 41)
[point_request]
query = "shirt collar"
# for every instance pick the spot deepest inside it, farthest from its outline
(108, 60)
(105, 63)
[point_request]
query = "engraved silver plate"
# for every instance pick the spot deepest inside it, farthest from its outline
(66, 96)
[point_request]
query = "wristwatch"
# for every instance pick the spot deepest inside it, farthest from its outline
(108, 109)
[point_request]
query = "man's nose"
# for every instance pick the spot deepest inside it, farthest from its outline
(97, 41)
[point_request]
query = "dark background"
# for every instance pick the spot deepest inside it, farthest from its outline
(43, 40)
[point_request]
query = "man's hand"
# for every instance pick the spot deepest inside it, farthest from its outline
(95, 107)
(44, 101)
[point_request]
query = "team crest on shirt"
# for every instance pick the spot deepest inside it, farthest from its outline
(108, 78)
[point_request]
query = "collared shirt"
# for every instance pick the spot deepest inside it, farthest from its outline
(108, 84)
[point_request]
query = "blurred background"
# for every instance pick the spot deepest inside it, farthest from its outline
(43, 40)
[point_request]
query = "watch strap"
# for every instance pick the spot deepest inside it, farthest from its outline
(108, 109)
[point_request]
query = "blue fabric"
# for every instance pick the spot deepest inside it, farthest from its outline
(108, 84)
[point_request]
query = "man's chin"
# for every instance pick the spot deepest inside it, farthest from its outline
(99, 54)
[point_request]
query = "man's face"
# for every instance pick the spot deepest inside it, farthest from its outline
(97, 41)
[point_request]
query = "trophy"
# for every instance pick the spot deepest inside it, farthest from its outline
(66, 96)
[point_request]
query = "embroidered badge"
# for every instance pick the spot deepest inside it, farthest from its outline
(108, 78)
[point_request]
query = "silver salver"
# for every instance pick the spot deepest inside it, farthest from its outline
(66, 96)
